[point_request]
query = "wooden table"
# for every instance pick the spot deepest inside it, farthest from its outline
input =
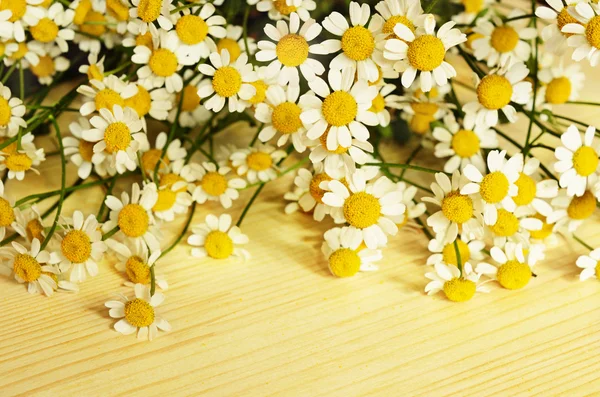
(281, 325)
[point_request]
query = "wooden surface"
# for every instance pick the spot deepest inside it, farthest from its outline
(281, 325)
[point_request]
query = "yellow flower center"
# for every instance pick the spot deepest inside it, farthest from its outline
(133, 220)
(472, 6)
(564, 18)
(149, 10)
(76, 246)
(191, 29)
(7, 214)
(558, 90)
(471, 38)
(163, 62)
(81, 11)
(388, 26)
(227, 81)
(449, 253)
(504, 39)
(513, 275)
(362, 210)
(34, 229)
(168, 180)
(582, 207)
(145, 40)
(20, 53)
(283, 8)
(107, 99)
(378, 104)
(17, 7)
(286, 118)
(218, 245)
(117, 9)
(191, 100)
(231, 46)
(292, 50)
(96, 26)
(506, 225)
(45, 30)
(27, 267)
(18, 162)
(527, 190)
(598, 270)
(358, 43)
(261, 92)
(592, 31)
(315, 191)
(420, 123)
(323, 141)
(494, 187)
(165, 201)
(140, 102)
(214, 183)
(585, 160)
(137, 270)
(151, 158)
(545, 231)
(465, 143)
(494, 91)
(259, 161)
(426, 52)
(457, 208)
(459, 289)
(44, 68)
(344, 262)
(138, 312)
(339, 108)
(117, 136)
(5, 112)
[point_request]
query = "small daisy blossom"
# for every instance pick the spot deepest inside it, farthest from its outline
(11, 113)
(583, 32)
(144, 13)
(173, 198)
(192, 113)
(533, 192)
(384, 100)
(81, 152)
(207, 182)
(229, 82)
(344, 255)
(217, 239)
(18, 16)
(291, 50)
(234, 42)
(560, 84)
(257, 163)
(105, 94)
(279, 9)
(312, 196)
(590, 264)
(135, 261)
(577, 160)
(570, 211)
(407, 12)
(469, 250)
(557, 16)
(50, 63)
(366, 207)
(28, 223)
(52, 26)
(151, 156)
(94, 70)
(139, 314)
(413, 209)
(424, 53)
(155, 103)
(514, 264)
(7, 212)
(18, 162)
(457, 285)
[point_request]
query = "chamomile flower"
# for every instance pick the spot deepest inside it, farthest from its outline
(503, 43)
(209, 182)
(357, 43)
(577, 160)
(117, 136)
(424, 53)
(342, 250)
(590, 264)
(560, 84)
(311, 198)
(280, 114)
(32, 266)
(422, 108)
(7, 211)
(145, 12)
(367, 207)
(81, 152)
(91, 25)
(12, 111)
(155, 103)
(105, 94)
(228, 82)
(265, 79)
(495, 92)
(413, 209)
(139, 314)
(472, 9)
(191, 113)
(457, 285)
(570, 211)
(279, 9)
(343, 111)
(173, 198)
(19, 161)
(135, 260)
(49, 64)
(341, 161)
(81, 247)
(293, 196)
(406, 12)
(94, 70)
(583, 33)
(514, 267)
(133, 217)
(28, 223)
(195, 28)
(463, 144)
(457, 210)
(469, 251)
(234, 43)
(23, 14)
(26, 53)
(162, 64)
(217, 239)
(557, 16)
(151, 156)
(533, 192)
(52, 26)
(512, 228)
(257, 163)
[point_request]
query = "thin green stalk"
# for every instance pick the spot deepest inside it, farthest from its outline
(425, 229)
(458, 258)
(9, 72)
(583, 103)
(247, 207)
(110, 233)
(535, 90)
(520, 17)
(408, 166)
(183, 232)
(21, 81)
(430, 6)
(410, 158)
(245, 30)
(253, 141)
(580, 241)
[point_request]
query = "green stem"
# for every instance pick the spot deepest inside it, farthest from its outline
(535, 85)
(425, 229)
(583, 103)
(21, 81)
(406, 166)
(580, 241)
(110, 233)
(520, 17)
(9, 72)
(430, 6)
(458, 258)
(245, 30)
(247, 207)
(183, 232)
(152, 280)
(410, 158)
(253, 141)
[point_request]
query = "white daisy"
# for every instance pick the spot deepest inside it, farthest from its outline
(234, 42)
(145, 12)
(344, 255)
(217, 239)
(191, 113)
(342, 161)
(12, 111)
(533, 192)
(49, 64)
(457, 285)
(52, 26)
(279, 9)
(469, 251)
(94, 70)
(583, 33)
(413, 209)
(472, 9)
(421, 109)
(590, 264)
(155, 103)
(570, 211)
(25, 53)
(173, 198)
(406, 12)
(257, 163)
(312, 196)
(382, 101)
(7, 212)
(19, 161)
(105, 94)
(557, 17)
(23, 14)
(207, 181)
(560, 84)
(135, 261)
(28, 222)
(515, 264)
(151, 156)
(81, 152)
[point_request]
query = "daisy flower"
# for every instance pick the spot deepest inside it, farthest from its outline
(12, 111)
(145, 12)
(207, 181)
(234, 43)
(49, 64)
(257, 163)
(463, 144)
(52, 26)
(345, 256)
(382, 101)
(512, 228)
(81, 247)
(577, 159)
(406, 12)
(155, 103)
(151, 156)
(117, 136)
(472, 8)
(191, 113)
(94, 70)
(32, 266)
(424, 53)
(514, 264)
(560, 84)
(7, 212)
(343, 111)
(413, 209)
(105, 94)
(139, 314)
(312, 196)
(81, 152)
(91, 25)
(341, 161)
(590, 264)
(173, 198)
(265, 79)
(496, 91)
(503, 43)
(18, 162)
(557, 16)
(229, 81)
(280, 114)
(570, 211)
(23, 14)
(583, 33)
(366, 207)
(421, 109)
(133, 217)
(135, 261)
(162, 64)
(469, 250)
(279, 9)
(457, 285)
(533, 192)
(217, 239)
(293, 197)
(28, 223)
(457, 209)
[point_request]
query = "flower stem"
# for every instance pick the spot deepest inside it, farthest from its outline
(580, 241)
(110, 233)
(406, 166)
(254, 196)
(183, 232)
(245, 30)
(535, 85)
(458, 258)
